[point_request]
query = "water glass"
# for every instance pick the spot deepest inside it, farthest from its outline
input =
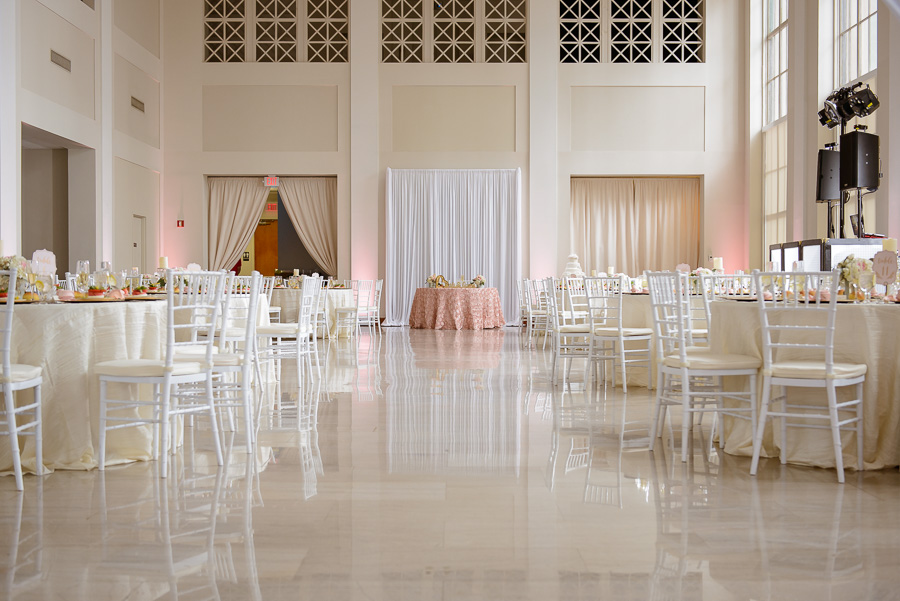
(83, 276)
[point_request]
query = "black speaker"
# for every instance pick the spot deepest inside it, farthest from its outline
(827, 175)
(859, 160)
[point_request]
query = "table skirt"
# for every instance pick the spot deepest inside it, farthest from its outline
(865, 333)
(456, 309)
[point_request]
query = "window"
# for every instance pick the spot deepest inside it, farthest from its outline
(775, 184)
(631, 31)
(775, 60)
(453, 31)
(857, 39)
(276, 31)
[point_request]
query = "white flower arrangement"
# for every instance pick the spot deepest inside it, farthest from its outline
(17, 262)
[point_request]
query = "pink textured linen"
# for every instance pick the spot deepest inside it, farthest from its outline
(456, 309)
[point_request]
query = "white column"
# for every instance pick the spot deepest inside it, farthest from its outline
(105, 87)
(888, 117)
(803, 124)
(10, 130)
(542, 213)
(364, 168)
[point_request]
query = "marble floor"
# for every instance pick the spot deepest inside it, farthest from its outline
(426, 465)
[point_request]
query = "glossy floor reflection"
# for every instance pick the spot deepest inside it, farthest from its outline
(429, 465)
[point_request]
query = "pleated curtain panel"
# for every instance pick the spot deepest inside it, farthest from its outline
(458, 223)
(311, 203)
(235, 204)
(635, 224)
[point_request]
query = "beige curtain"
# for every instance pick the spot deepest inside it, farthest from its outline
(235, 204)
(635, 224)
(311, 203)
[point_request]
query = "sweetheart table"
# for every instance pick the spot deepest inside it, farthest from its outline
(456, 309)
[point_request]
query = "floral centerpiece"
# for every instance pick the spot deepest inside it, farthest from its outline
(436, 281)
(478, 281)
(695, 278)
(20, 264)
(851, 269)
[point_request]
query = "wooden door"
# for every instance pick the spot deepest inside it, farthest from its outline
(265, 247)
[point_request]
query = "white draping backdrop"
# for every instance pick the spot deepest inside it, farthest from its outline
(235, 204)
(452, 222)
(311, 203)
(635, 224)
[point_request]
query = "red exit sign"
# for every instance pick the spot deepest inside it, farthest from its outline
(271, 207)
(271, 181)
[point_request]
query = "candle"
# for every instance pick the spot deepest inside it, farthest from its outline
(164, 262)
(593, 273)
(889, 244)
(717, 264)
(611, 270)
(1, 248)
(296, 272)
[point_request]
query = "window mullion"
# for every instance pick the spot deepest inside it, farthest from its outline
(250, 12)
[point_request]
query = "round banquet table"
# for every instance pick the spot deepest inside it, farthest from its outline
(456, 309)
(865, 333)
(67, 340)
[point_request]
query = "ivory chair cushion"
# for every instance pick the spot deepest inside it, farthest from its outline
(283, 330)
(626, 332)
(699, 358)
(23, 373)
(816, 370)
(142, 368)
(582, 328)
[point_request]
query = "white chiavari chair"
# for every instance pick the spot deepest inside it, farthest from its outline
(692, 377)
(348, 318)
(370, 312)
(798, 325)
(268, 289)
(569, 340)
(22, 419)
(192, 318)
(611, 341)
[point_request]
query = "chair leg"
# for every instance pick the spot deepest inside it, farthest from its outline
(835, 431)
(102, 434)
(13, 436)
(622, 359)
(164, 425)
(687, 420)
(211, 404)
(38, 433)
(761, 422)
(859, 427)
(657, 409)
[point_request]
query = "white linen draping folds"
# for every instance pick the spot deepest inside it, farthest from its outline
(311, 203)
(235, 204)
(635, 224)
(453, 222)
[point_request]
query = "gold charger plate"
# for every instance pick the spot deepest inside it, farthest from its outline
(145, 297)
(94, 299)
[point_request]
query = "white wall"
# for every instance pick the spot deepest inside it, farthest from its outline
(86, 110)
(275, 110)
(664, 119)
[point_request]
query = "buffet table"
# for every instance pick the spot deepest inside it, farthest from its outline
(456, 309)
(67, 340)
(866, 333)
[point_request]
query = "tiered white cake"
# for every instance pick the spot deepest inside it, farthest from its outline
(573, 268)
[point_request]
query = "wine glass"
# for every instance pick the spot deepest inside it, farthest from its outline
(83, 276)
(867, 283)
(31, 278)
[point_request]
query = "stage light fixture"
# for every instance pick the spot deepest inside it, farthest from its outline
(842, 105)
